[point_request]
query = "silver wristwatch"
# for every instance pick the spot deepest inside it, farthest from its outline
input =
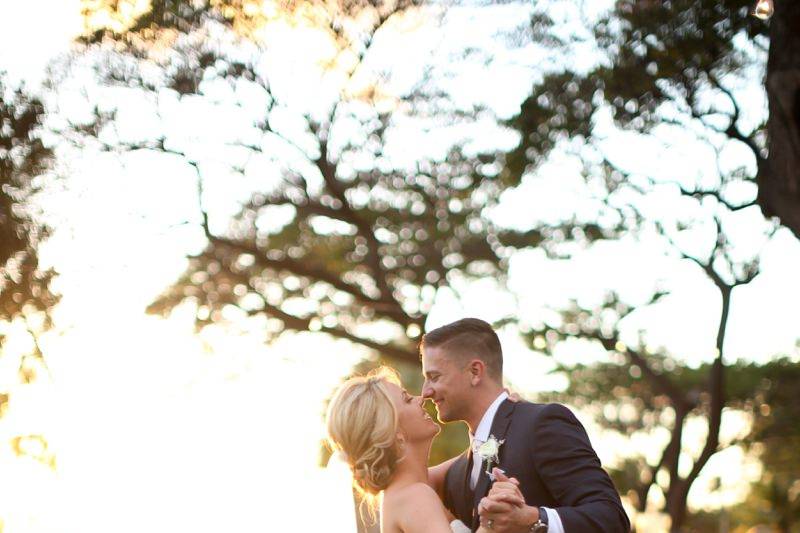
(540, 526)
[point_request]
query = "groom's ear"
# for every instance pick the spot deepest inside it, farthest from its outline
(477, 371)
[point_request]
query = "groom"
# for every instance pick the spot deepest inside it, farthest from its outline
(543, 446)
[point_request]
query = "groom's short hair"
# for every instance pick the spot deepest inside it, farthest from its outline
(466, 339)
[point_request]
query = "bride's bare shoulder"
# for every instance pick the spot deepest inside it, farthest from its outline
(416, 492)
(409, 495)
(416, 507)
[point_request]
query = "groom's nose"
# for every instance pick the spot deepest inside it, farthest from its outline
(427, 391)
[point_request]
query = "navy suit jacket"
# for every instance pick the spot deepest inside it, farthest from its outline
(549, 452)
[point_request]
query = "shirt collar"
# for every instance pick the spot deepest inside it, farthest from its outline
(485, 426)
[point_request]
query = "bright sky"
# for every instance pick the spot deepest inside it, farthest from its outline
(157, 429)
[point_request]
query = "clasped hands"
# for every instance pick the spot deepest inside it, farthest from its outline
(504, 509)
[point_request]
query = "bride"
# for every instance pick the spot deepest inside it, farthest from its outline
(385, 437)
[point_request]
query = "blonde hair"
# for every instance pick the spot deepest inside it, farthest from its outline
(362, 424)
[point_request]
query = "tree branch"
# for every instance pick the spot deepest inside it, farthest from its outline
(706, 266)
(732, 130)
(699, 193)
(296, 323)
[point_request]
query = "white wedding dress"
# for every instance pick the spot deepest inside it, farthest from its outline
(458, 527)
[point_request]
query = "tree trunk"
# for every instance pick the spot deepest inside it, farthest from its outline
(676, 507)
(679, 488)
(779, 175)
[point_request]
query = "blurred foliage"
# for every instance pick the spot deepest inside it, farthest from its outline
(766, 392)
(663, 70)
(24, 287)
(775, 498)
(26, 298)
(35, 447)
(643, 391)
(653, 53)
(682, 62)
(138, 24)
(23, 159)
(129, 21)
(368, 240)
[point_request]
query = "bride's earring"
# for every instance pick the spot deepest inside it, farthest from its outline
(401, 448)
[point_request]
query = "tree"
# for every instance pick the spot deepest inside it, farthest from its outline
(775, 437)
(779, 173)
(342, 233)
(665, 71)
(24, 285)
(23, 158)
(652, 384)
(633, 402)
(694, 59)
(25, 294)
(764, 393)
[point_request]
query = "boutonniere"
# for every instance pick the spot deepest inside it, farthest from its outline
(488, 452)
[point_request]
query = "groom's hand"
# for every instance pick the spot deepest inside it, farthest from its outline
(505, 507)
(505, 517)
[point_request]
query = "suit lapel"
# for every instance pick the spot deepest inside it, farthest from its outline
(499, 429)
(459, 493)
(465, 503)
(467, 490)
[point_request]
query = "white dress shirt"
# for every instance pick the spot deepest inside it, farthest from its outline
(482, 435)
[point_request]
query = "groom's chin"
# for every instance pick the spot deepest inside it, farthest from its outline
(443, 418)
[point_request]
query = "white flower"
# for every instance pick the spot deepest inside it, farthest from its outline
(488, 452)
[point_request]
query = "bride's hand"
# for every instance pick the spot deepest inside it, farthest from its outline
(505, 489)
(506, 493)
(513, 396)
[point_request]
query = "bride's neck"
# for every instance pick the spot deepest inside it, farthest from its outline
(414, 466)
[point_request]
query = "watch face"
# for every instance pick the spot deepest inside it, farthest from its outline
(540, 527)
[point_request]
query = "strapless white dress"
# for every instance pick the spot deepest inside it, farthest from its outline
(458, 527)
